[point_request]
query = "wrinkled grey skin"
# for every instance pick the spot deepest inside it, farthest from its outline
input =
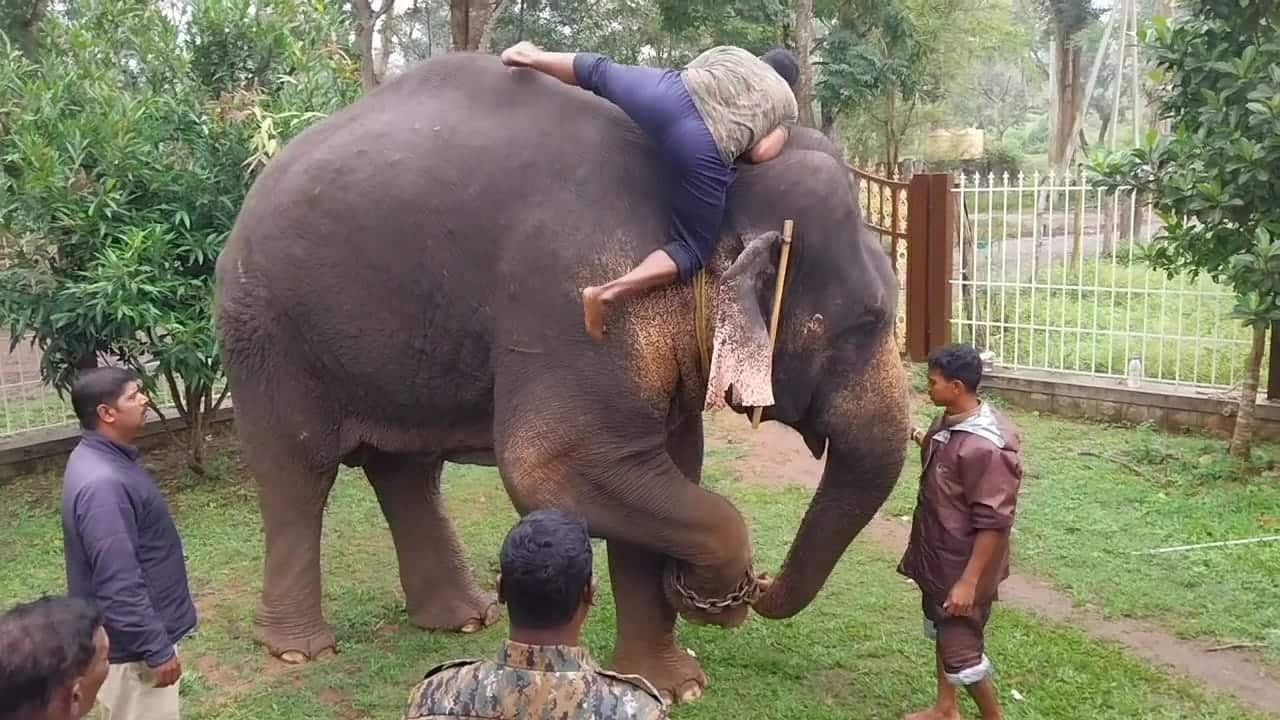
(402, 288)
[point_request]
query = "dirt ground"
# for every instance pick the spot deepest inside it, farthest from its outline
(776, 456)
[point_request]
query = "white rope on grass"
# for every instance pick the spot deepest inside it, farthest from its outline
(1268, 538)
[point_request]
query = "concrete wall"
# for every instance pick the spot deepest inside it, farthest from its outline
(1166, 406)
(44, 449)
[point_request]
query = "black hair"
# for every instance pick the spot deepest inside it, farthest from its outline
(546, 566)
(44, 645)
(958, 362)
(97, 386)
(781, 60)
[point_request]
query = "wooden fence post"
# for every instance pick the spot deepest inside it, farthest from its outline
(918, 268)
(930, 217)
(1273, 377)
(941, 227)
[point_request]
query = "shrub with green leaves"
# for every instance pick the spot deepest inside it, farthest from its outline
(1215, 179)
(125, 154)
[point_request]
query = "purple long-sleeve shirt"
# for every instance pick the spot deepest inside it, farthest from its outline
(123, 551)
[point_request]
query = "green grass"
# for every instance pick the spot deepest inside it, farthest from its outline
(1099, 330)
(1081, 517)
(856, 652)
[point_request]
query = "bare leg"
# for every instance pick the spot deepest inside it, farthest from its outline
(556, 64)
(655, 270)
(984, 694)
(945, 708)
(440, 593)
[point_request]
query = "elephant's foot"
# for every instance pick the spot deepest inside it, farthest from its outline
(296, 646)
(459, 611)
(674, 672)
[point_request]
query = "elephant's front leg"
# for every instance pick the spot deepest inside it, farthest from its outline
(440, 593)
(646, 642)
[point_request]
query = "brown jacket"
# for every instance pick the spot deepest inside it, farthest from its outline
(970, 482)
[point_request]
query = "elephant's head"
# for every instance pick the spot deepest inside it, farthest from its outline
(835, 375)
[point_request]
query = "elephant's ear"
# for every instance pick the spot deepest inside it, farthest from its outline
(740, 357)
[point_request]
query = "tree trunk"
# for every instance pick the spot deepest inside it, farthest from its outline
(1067, 94)
(363, 24)
(430, 37)
(486, 29)
(387, 32)
(803, 48)
(23, 27)
(471, 22)
(1242, 438)
(829, 123)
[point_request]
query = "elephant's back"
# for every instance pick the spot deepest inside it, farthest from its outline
(405, 220)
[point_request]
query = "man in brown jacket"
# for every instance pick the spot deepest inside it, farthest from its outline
(959, 548)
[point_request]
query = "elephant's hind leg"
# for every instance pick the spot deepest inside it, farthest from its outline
(292, 495)
(440, 592)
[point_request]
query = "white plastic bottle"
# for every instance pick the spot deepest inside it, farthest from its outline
(1133, 378)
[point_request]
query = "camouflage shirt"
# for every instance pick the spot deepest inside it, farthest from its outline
(533, 682)
(740, 97)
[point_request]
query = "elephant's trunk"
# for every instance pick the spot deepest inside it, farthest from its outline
(867, 421)
(844, 503)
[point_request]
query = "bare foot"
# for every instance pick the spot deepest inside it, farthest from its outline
(933, 713)
(520, 55)
(593, 309)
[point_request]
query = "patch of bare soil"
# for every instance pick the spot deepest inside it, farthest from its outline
(775, 456)
(341, 702)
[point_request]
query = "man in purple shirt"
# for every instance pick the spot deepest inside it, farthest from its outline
(123, 551)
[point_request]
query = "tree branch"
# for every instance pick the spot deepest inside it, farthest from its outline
(173, 393)
(217, 405)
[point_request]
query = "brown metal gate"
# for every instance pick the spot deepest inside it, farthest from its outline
(913, 221)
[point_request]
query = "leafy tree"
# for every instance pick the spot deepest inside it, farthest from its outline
(889, 60)
(755, 25)
(125, 156)
(1001, 85)
(1215, 180)
(20, 22)
(626, 30)
(1067, 19)
(422, 30)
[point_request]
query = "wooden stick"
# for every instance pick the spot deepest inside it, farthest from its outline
(1236, 646)
(1127, 466)
(777, 306)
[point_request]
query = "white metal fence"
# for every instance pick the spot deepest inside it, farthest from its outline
(1049, 274)
(26, 403)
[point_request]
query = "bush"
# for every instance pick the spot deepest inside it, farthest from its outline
(125, 157)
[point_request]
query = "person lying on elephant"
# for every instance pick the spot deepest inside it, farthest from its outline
(724, 106)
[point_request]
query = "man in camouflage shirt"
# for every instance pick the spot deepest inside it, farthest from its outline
(725, 106)
(541, 672)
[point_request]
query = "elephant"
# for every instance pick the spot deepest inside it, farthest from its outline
(401, 289)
